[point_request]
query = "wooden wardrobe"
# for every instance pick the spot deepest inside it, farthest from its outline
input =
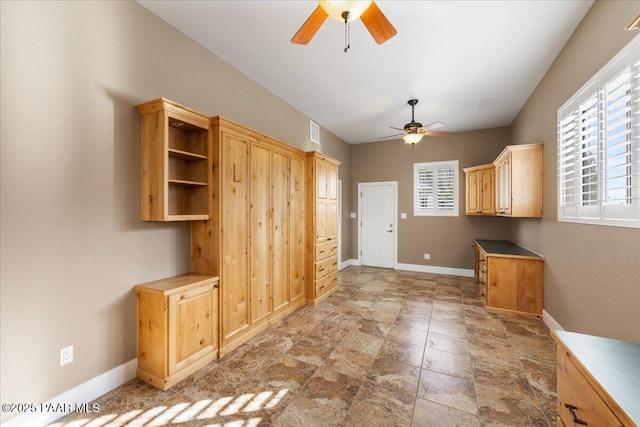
(255, 240)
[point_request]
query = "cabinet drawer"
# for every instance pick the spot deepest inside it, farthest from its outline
(326, 266)
(574, 390)
(328, 282)
(326, 249)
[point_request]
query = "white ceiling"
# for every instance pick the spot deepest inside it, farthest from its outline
(450, 55)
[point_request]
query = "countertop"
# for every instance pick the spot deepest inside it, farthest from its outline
(505, 248)
(614, 364)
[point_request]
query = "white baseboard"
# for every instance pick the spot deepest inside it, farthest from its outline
(436, 270)
(79, 395)
(348, 263)
(550, 321)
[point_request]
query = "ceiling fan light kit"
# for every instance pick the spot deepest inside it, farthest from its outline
(412, 138)
(335, 9)
(347, 11)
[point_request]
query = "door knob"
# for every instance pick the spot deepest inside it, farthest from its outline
(389, 231)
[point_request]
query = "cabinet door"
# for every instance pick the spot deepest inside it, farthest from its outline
(191, 326)
(332, 183)
(234, 280)
(332, 221)
(296, 227)
(472, 192)
(321, 221)
(260, 231)
(322, 177)
(486, 203)
(506, 185)
(280, 229)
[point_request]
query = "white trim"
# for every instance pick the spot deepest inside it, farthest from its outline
(464, 272)
(550, 322)
(81, 394)
(339, 222)
(394, 184)
(348, 263)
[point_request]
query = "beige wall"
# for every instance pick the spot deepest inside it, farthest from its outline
(72, 242)
(592, 273)
(447, 239)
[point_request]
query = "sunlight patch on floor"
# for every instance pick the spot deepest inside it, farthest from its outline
(184, 412)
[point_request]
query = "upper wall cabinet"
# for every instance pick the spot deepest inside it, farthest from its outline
(480, 190)
(175, 141)
(518, 176)
(510, 186)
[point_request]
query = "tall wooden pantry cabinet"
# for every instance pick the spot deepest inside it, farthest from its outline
(255, 239)
(322, 227)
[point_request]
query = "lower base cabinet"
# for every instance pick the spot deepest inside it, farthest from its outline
(597, 381)
(177, 327)
(510, 278)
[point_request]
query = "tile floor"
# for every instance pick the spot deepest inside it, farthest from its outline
(390, 348)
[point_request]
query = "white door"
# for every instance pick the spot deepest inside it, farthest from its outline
(378, 232)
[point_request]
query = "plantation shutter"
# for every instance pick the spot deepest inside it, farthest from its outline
(436, 188)
(599, 146)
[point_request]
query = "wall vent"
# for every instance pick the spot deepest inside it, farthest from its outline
(314, 132)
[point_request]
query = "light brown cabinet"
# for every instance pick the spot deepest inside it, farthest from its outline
(255, 238)
(177, 327)
(597, 380)
(175, 141)
(518, 181)
(510, 278)
(322, 227)
(480, 190)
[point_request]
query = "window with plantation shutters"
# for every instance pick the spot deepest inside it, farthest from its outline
(599, 146)
(435, 188)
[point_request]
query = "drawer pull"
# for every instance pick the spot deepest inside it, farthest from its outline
(321, 252)
(572, 411)
(321, 269)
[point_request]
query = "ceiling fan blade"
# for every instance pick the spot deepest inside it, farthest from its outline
(432, 132)
(393, 127)
(389, 136)
(434, 125)
(310, 27)
(378, 25)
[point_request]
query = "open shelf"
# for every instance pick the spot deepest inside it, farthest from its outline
(184, 182)
(185, 155)
(175, 162)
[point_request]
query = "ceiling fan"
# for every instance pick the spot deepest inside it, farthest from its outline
(413, 131)
(346, 11)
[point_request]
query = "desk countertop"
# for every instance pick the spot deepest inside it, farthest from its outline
(614, 364)
(505, 248)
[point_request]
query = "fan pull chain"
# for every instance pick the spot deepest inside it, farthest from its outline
(347, 30)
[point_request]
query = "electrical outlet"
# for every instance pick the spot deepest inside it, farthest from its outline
(353, 214)
(403, 215)
(66, 355)
(427, 256)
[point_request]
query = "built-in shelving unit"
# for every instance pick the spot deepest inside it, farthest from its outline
(175, 141)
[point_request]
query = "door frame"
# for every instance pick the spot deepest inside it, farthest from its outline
(394, 185)
(339, 224)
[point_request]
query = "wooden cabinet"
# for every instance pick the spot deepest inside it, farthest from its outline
(255, 238)
(322, 227)
(597, 381)
(175, 141)
(518, 181)
(480, 190)
(297, 221)
(510, 278)
(177, 327)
